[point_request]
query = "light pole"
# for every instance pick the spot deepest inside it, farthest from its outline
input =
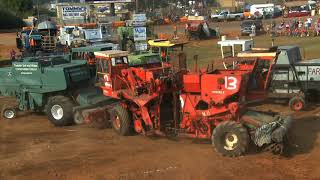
(137, 6)
(38, 9)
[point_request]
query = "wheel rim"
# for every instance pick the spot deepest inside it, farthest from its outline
(9, 114)
(231, 141)
(57, 112)
(297, 105)
(116, 122)
(78, 119)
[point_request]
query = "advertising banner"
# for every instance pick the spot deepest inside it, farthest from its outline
(109, 1)
(139, 17)
(140, 34)
(141, 46)
(73, 12)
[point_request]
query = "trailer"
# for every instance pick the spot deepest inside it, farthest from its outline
(287, 77)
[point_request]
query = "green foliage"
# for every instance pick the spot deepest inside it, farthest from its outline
(19, 8)
(10, 21)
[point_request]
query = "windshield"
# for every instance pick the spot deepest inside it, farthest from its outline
(145, 60)
(119, 60)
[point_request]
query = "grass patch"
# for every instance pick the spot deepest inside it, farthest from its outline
(209, 51)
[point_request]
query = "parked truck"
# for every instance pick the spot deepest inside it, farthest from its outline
(227, 15)
(72, 36)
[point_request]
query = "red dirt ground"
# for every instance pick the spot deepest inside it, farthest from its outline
(31, 148)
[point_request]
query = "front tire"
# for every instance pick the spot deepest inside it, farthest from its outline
(297, 103)
(78, 118)
(9, 113)
(121, 121)
(230, 139)
(60, 110)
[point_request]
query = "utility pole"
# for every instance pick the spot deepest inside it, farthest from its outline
(38, 10)
(137, 6)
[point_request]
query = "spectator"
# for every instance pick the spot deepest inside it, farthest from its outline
(175, 32)
(268, 28)
(186, 29)
(316, 29)
(13, 54)
(34, 21)
(300, 23)
(218, 31)
(306, 28)
(253, 29)
(309, 20)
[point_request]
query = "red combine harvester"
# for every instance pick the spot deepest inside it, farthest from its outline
(211, 105)
(139, 89)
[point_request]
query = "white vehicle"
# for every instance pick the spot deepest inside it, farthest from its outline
(227, 15)
(258, 10)
(72, 35)
(66, 35)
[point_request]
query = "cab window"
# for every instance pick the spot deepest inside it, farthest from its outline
(119, 60)
(103, 66)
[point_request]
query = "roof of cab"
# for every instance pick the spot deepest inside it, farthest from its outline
(93, 48)
(111, 54)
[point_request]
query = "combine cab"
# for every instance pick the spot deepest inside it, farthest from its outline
(140, 91)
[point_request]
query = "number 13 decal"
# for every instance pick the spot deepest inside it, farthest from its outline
(230, 83)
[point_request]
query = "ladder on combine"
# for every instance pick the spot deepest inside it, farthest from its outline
(48, 43)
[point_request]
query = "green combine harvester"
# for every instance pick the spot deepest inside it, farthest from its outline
(54, 85)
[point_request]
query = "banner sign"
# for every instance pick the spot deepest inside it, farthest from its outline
(109, 1)
(139, 17)
(141, 46)
(73, 12)
(140, 34)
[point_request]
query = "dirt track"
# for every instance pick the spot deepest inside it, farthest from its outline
(31, 148)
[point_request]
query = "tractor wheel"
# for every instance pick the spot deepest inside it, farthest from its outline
(297, 103)
(9, 113)
(230, 139)
(121, 121)
(78, 118)
(60, 110)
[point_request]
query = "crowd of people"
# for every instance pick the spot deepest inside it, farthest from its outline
(299, 27)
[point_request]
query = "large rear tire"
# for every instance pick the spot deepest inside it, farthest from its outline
(230, 139)
(121, 121)
(60, 110)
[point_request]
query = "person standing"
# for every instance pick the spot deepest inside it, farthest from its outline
(309, 20)
(34, 21)
(175, 31)
(316, 29)
(306, 27)
(218, 31)
(13, 54)
(253, 29)
(186, 29)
